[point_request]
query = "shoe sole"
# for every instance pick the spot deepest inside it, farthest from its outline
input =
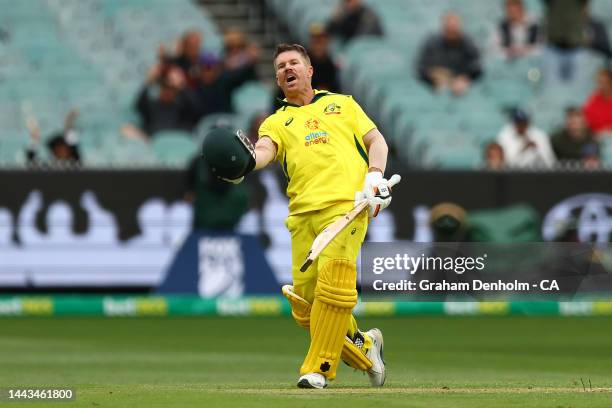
(304, 383)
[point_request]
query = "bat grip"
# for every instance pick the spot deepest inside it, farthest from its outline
(396, 178)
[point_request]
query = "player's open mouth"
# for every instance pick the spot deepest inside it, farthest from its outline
(291, 79)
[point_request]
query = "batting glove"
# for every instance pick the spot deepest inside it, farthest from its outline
(377, 190)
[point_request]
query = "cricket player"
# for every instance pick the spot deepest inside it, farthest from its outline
(333, 156)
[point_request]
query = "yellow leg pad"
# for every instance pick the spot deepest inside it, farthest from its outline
(300, 310)
(354, 357)
(335, 297)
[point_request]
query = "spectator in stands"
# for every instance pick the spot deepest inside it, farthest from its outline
(449, 223)
(598, 108)
(449, 59)
(352, 19)
(188, 56)
(596, 34)
(213, 93)
(525, 145)
(63, 145)
(517, 35)
(239, 55)
(591, 157)
(165, 103)
(565, 32)
(325, 75)
(494, 157)
(572, 141)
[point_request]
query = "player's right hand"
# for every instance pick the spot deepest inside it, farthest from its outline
(377, 191)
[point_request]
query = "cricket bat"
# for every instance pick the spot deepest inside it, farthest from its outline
(328, 234)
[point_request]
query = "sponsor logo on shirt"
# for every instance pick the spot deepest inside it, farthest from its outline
(316, 138)
(288, 122)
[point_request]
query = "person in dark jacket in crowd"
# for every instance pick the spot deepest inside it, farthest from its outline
(571, 142)
(213, 94)
(352, 19)
(449, 59)
(597, 34)
(165, 103)
(565, 28)
(325, 75)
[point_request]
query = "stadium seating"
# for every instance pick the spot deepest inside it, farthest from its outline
(420, 124)
(93, 55)
(250, 99)
(174, 148)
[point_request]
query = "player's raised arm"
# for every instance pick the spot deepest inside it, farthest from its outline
(265, 152)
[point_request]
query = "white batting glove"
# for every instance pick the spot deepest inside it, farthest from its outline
(377, 190)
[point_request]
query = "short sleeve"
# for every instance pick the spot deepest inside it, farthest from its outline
(362, 123)
(267, 129)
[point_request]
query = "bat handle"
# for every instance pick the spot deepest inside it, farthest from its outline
(396, 178)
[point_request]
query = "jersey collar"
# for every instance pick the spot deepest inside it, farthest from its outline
(318, 95)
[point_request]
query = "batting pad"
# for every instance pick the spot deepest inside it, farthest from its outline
(300, 310)
(335, 297)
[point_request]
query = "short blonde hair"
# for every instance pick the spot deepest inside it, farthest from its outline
(280, 48)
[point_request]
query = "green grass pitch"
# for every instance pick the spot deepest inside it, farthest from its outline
(253, 362)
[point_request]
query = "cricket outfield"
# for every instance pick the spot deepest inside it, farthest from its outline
(253, 362)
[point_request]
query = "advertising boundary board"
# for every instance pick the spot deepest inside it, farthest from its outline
(270, 306)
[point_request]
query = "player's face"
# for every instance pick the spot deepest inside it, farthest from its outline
(293, 73)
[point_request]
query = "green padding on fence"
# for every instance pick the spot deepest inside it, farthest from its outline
(273, 306)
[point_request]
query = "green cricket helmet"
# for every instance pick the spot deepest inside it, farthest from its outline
(229, 154)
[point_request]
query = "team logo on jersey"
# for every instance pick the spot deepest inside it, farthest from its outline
(288, 122)
(332, 109)
(312, 124)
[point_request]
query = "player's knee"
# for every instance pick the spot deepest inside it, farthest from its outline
(337, 283)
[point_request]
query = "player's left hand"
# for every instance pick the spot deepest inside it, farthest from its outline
(377, 190)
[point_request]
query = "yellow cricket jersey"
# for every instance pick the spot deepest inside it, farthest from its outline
(320, 148)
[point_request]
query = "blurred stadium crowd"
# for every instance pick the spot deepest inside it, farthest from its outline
(461, 84)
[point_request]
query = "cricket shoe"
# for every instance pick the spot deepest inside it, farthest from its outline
(312, 380)
(377, 372)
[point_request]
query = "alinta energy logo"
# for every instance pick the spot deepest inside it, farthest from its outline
(317, 136)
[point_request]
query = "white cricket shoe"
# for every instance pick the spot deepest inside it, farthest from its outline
(312, 380)
(377, 372)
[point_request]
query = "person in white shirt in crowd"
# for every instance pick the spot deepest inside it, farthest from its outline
(525, 145)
